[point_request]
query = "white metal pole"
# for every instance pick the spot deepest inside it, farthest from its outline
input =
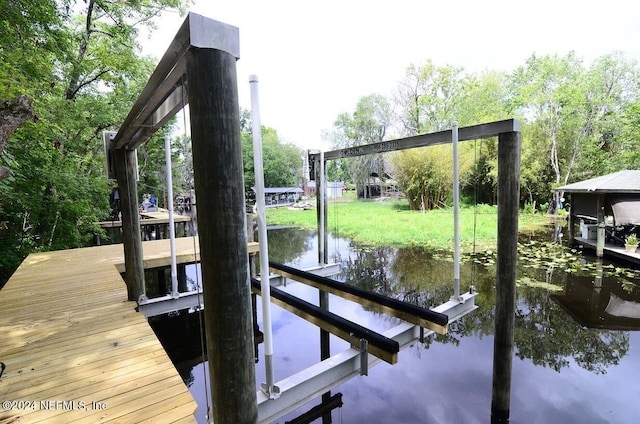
(269, 389)
(321, 184)
(172, 231)
(456, 215)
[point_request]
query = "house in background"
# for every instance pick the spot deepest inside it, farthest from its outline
(335, 189)
(281, 196)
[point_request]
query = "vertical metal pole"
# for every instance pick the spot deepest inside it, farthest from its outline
(321, 184)
(506, 272)
(325, 352)
(125, 161)
(265, 289)
(172, 230)
(456, 215)
(218, 173)
(601, 227)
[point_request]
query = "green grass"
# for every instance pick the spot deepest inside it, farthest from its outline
(391, 223)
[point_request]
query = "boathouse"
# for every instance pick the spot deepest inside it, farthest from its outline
(606, 210)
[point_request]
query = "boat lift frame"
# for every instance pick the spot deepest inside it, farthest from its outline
(200, 47)
(330, 373)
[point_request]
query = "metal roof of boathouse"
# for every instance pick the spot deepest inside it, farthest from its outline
(627, 181)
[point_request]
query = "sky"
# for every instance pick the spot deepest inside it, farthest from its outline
(316, 59)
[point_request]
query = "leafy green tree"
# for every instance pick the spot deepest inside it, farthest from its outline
(629, 141)
(612, 84)
(431, 98)
(368, 124)
(428, 98)
(572, 116)
(550, 92)
(282, 162)
(80, 74)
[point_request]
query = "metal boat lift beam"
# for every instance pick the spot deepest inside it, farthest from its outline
(312, 382)
(379, 345)
(425, 318)
(475, 132)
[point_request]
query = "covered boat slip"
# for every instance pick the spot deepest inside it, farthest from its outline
(607, 210)
(76, 350)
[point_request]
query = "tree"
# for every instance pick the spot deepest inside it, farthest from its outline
(282, 162)
(368, 124)
(612, 84)
(428, 98)
(629, 140)
(30, 36)
(431, 98)
(572, 116)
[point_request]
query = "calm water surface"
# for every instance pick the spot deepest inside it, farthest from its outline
(563, 371)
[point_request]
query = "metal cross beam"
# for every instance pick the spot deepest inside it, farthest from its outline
(491, 129)
(165, 93)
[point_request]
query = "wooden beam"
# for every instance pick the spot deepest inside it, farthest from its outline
(425, 318)
(131, 237)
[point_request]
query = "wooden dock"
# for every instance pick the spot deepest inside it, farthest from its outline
(76, 350)
(149, 218)
(610, 250)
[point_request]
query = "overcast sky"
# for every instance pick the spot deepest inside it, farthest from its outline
(316, 59)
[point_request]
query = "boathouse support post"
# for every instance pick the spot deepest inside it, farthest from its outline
(126, 174)
(218, 173)
(506, 272)
(601, 227)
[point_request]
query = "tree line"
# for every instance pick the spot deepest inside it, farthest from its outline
(578, 121)
(70, 70)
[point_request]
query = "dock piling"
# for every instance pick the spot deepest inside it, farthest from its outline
(218, 173)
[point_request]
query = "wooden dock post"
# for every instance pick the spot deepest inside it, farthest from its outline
(506, 272)
(218, 173)
(125, 161)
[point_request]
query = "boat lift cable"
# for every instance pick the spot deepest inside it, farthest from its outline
(199, 285)
(476, 159)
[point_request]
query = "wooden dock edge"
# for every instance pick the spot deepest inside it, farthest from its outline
(76, 350)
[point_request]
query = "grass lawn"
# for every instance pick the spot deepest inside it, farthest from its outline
(391, 223)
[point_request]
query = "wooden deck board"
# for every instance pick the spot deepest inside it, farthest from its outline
(611, 250)
(69, 334)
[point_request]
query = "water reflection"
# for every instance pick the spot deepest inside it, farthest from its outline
(566, 372)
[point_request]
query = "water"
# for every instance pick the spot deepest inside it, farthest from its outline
(563, 371)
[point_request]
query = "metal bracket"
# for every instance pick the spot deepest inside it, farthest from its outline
(363, 347)
(272, 392)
